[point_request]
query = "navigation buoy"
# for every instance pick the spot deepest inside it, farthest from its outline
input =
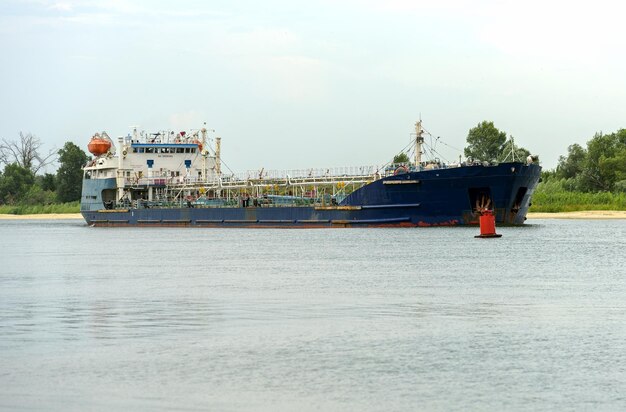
(487, 225)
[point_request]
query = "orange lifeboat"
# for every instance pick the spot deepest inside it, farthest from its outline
(98, 146)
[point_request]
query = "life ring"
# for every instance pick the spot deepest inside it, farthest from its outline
(400, 170)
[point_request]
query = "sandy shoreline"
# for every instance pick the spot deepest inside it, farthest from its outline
(588, 214)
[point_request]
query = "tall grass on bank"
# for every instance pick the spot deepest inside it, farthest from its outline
(71, 207)
(552, 197)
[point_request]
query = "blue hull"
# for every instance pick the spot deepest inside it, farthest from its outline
(442, 197)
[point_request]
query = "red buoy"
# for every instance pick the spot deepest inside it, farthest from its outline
(487, 224)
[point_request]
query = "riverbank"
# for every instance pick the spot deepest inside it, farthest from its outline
(587, 214)
(42, 216)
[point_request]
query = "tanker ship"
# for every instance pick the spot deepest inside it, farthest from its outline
(177, 179)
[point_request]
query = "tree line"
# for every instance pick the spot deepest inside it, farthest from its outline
(20, 180)
(598, 167)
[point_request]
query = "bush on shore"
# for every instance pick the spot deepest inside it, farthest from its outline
(553, 196)
(70, 207)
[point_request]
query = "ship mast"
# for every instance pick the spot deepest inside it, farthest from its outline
(218, 156)
(419, 139)
(204, 152)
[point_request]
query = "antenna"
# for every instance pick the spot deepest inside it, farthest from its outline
(134, 131)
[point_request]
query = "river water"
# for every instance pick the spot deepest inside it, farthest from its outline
(343, 319)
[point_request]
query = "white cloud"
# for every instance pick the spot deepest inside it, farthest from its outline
(557, 32)
(272, 60)
(185, 120)
(262, 41)
(61, 6)
(294, 77)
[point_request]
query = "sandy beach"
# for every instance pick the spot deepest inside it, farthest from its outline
(588, 214)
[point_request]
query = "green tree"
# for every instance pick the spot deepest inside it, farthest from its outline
(485, 142)
(613, 169)
(35, 195)
(69, 174)
(620, 186)
(47, 182)
(598, 173)
(619, 161)
(599, 167)
(401, 158)
(573, 164)
(15, 183)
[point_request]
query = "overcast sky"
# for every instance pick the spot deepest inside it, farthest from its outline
(296, 84)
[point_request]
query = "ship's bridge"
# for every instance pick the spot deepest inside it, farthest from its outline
(166, 161)
(165, 148)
